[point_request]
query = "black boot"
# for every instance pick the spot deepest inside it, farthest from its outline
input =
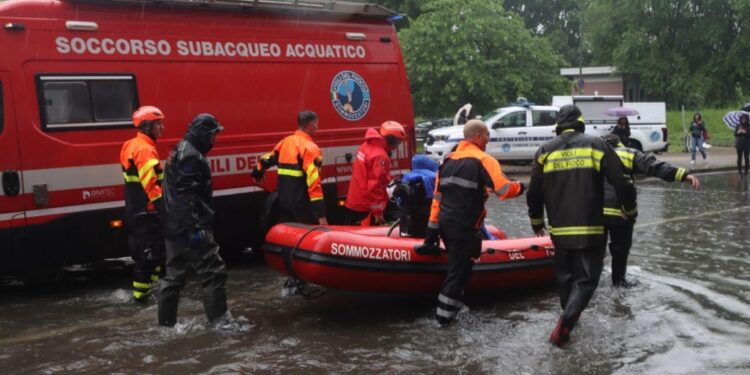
(215, 303)
(168, 308)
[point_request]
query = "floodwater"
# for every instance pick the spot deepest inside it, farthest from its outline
(688, 314)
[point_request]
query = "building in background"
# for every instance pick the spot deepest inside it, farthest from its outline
(603, 80)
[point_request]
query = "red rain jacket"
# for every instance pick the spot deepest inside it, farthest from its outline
(371, 174)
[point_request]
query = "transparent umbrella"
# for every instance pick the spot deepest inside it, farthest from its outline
(621, 112)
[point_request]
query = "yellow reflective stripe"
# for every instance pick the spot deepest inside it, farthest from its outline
(612, 211)
(141, 285)
(573, 158)
(289, 172)
(569, 164)
(154, 278)
(157, 269)
(130, 178)
(312, 174)
(316, 199)
(680, 174)
(155, 198)
(160, 176)
(542, 158)
(138, 295)
(576, 231)
(149, 165)
(626, 158)
(537, 221)
(631, 212)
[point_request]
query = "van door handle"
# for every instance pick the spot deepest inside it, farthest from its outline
(11, 182)
(521, 133)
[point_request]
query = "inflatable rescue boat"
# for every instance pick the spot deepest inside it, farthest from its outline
(373, 259)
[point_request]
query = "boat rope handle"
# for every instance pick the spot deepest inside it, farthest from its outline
(393, 226)
(289, 257)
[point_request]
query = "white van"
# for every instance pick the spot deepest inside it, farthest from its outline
(648, 129)
(516, 132)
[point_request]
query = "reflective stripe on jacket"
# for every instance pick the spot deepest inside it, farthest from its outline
(142, 173)
(567, 177)
(634, 162)
(463, 184)
(298, 160)
(371, 173)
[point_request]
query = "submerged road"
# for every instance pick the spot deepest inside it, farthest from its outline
(689, 312)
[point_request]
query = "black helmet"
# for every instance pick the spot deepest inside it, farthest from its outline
(569, 117)
(204, 123)
(200, 131)
(612, 139)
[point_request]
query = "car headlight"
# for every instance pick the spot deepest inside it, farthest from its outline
(441, 138)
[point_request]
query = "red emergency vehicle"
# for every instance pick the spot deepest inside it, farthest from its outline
(73, 71)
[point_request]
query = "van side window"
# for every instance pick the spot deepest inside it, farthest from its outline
(90, 101)
(544, 118)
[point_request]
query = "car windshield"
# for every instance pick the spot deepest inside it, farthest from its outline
(491, 114)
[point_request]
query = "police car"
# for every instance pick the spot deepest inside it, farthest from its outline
(516, 132)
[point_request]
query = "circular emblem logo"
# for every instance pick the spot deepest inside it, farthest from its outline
(655, 136)
(505, 147)
(350, 95)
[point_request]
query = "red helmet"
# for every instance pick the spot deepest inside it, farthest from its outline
(146, 113)
(392, 128)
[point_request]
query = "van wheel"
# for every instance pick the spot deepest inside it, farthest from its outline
(635, 144)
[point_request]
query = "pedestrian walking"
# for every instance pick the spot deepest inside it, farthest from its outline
(465, 180)
(567, 179)
(299, 160)
(742, 143)
(144, 206)
(189, 223)
(697, 134)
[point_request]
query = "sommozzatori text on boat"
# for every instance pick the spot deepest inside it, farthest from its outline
(376, 259)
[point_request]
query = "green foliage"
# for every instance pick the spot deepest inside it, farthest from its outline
(473, 51)
(689, 52)
(557, 20)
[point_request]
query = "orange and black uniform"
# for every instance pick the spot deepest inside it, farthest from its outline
(143, 204)
(300, 186)
(463, 184)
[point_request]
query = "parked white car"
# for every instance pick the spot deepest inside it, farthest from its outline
(515, 133)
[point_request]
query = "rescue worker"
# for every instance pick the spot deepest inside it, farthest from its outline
(567, 177)
(414, 196)
(143, 199)
(188, 195)
(619, 229)
(464, 182)
(299, 161)
(371, 173)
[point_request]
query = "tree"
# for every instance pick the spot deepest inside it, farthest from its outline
(557, 20)
(460, 51)
(689, 52)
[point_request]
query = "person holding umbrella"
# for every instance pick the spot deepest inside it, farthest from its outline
(742, 143)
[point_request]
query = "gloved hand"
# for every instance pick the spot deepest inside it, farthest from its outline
(257, 175)
(523, 188)
(196, 239)
(431, 237)
(431, 245)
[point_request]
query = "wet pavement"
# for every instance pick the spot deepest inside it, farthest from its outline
(689, 312)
